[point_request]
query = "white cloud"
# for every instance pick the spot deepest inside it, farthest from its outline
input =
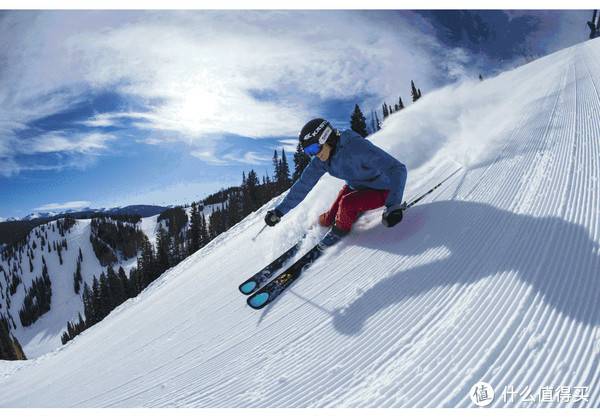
(211, 157)
(75, 149)
(199, 73)
(114, 119)
(251, 158)
(289, 145)
(64, 142)
(69, 205)
(8, 167)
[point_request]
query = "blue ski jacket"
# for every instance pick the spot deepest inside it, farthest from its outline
(357, 161)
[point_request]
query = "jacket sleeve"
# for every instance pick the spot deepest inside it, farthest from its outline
(310, 176)
(390, 167)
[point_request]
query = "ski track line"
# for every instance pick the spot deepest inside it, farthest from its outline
(495, 319)
(591, 207)
(544, 332)
(569, 245)
(595, 140)
(499, 359)
(577, 327)
(543, 312)
(480, 182)
(519, 363)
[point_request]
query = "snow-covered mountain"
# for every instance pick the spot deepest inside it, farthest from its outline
(48, 214)
(44, 248)
(493, 278)
(142, 210)
(9, 219)
(46, 260)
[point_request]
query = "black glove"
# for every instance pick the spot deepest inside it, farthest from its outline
(273, 217)
(393, 215)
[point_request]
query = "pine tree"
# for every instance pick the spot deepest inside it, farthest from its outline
(77, 278)
(135, 281)
(301, 161)
(96, 301)
(400, 103)
(385, 111)
(194, 242)
(416, 94)
(234, 210)
(163, 248)
(204, 235)
(116, 289)
(373, 127)
(88, 305)
(251, 197)
(594, 26)
(104, 296)
(276, 169)
(147, 263)
(125, 283)
(358, 122)
(73, 329)
(284, 178)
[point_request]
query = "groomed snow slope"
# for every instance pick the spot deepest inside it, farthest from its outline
(496, 277)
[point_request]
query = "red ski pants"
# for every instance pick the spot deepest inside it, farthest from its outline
(349, 204)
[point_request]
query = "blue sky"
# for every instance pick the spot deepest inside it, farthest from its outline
(110, 108)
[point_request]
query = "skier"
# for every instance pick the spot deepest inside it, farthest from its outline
(373, 179)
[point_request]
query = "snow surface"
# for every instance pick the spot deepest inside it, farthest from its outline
(492, 278)
(149, 227)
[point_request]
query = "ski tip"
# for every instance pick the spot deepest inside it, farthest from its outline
(248, 287)
(259, 300)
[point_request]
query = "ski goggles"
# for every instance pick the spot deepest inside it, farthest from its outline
(313, 149)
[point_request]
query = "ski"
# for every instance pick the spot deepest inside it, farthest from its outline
(262, 276)
(275, 287)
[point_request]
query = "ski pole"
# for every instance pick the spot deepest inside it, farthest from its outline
(259, 232)
(416, 200)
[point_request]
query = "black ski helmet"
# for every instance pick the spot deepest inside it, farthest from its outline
(316, 131)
